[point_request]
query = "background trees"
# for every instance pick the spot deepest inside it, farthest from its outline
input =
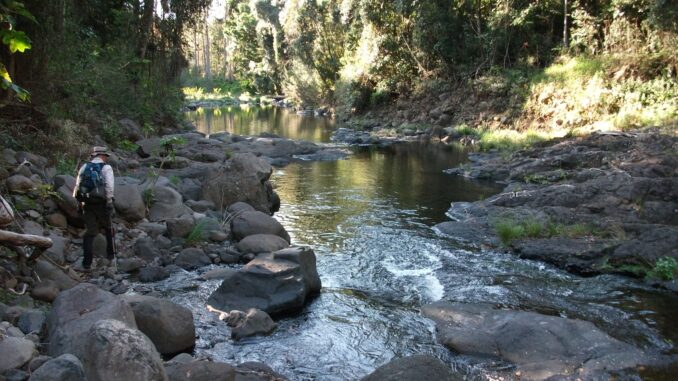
(317, 49)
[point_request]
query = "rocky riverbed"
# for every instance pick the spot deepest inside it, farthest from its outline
(605, 203)
(182, 201)
(186, 201)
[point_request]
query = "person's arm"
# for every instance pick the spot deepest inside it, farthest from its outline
(109, 181)
(77, 179)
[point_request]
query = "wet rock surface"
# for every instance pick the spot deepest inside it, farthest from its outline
(620, 190)
(540, 346)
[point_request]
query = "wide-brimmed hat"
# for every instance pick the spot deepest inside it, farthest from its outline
(99, 150)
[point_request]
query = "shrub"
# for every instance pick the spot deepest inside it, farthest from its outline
(666, 268)
(197, 234)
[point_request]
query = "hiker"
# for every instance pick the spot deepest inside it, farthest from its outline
(94, 192)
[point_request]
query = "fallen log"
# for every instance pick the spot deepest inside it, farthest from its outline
(16, 239)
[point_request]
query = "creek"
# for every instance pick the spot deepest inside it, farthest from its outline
(368, 219)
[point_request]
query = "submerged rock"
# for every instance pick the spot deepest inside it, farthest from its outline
(418, 367)
(540, 346)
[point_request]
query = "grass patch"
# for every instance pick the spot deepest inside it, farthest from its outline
(197, 234)
(509, 230)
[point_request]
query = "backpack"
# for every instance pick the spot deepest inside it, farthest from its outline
(92, 187)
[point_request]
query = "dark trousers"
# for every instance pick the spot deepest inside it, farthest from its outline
(96, 218)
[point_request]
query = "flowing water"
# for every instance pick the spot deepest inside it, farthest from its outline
(369, 220)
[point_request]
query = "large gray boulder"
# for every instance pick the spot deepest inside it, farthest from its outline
(169, 325)
(117, 352)
(180, 227)
(276, 283)
(63, 368)
(146, 249)
(47, 271)
(200, 371)
(19, 184)
(192, 258)
(75, 311)
(250, 223)
(167, 203)
(129, 203)
(540, 346)
(418, 367)
(66, 202)
(15, 352)
(243, 178)
(261, 243)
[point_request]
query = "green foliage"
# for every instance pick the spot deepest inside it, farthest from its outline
(128, 146)
(509, 229)
(666, 268)
(15, 40)
(45, 191)
(197, 234)
(66, 165)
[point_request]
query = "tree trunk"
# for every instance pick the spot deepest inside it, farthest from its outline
(566, 39)
(16, 239)
(146, 27)
(206, 54)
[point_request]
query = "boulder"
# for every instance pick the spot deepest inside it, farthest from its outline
(129, 203)
(19, 184)
(57, 250)
(47, 271)
(45, 291)
(130, 129)
(145, 249)
(417, 367)
(153, 274)
(256, 371)
(152, 229)
(254, 323)
(190, 189)
(75, 311)
(63, 368)
(192, 258)
(180, 227)
(128, 265)
(261, 243)
(32, 321)
(540, 346)
(148, 147)
(239, 207)
(200, 371)
(250, 223)
(276, 283)
(115, 351)
(57, 220)
(167, 203)
(200, 206)
(69, 205)
(243, 178)
(169, 325)
(15, 352)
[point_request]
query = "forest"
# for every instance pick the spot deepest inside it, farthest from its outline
(94, 61)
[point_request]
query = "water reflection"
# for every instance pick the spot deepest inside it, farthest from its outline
(368, 219)
(242, 120)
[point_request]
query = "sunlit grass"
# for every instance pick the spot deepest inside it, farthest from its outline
(615, 92)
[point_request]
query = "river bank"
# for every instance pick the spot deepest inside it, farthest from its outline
(183, 201)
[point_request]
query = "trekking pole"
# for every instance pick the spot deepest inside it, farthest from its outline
(114, 247)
